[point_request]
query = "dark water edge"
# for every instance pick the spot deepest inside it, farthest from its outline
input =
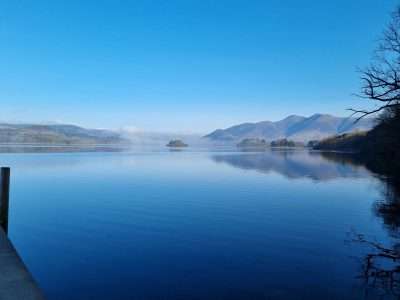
(381, 266)
(205, 224)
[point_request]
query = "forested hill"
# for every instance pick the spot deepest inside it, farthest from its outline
(56, 134)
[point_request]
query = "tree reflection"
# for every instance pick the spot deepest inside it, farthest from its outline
(381, 265)
(388, 208)
(380, 269)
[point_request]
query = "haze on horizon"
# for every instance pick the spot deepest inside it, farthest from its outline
(189, 66)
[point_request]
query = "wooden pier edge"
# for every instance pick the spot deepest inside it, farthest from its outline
(16, 282)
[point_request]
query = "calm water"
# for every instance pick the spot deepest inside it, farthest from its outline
(194, 225)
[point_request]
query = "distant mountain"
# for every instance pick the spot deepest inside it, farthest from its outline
(297, 128)
(56, 134)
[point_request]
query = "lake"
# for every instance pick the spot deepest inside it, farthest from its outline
(196, 224)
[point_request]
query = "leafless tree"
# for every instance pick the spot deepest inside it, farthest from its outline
(381, 80)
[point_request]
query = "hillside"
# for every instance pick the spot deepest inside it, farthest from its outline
(377, 148)
(351, 142)
(56, 134)
(296, 128)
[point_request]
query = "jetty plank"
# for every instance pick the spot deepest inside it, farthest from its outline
(16, 283)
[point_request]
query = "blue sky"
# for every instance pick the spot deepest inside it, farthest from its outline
(188, 66)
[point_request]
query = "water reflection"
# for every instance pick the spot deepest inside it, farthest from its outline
(380, 265)
(202, 228)
(380, 262)
(388, 207)
(60, 148)
(294, 164)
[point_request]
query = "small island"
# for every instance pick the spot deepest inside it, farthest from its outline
(286, 143)
(252, 143)
(176, 144)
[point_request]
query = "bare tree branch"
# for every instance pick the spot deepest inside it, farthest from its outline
(382, 78)
(364, 113)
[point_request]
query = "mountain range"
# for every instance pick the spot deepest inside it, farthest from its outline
(296, 128)
(56, 134)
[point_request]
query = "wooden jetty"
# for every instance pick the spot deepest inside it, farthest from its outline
(16, 283)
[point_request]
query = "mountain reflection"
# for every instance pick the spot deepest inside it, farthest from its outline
(379, 273)
(295, 164)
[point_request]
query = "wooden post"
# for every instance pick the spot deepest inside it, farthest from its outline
(4, 198)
